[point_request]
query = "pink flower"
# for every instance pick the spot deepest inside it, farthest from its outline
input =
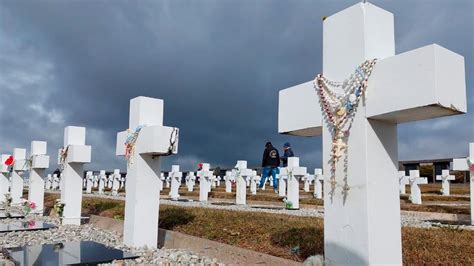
(31, 223)
(471, 168)
(33, 205)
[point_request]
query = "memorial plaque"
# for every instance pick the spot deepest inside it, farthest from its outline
(69, 253)
(25, 226)
(3, 215)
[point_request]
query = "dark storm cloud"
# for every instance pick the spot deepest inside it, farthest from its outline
(217, 64)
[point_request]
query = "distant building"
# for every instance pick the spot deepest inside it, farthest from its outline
(436, 165)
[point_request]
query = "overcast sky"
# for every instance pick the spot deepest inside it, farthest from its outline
(218, 65)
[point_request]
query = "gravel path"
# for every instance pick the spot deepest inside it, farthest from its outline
(67, 233)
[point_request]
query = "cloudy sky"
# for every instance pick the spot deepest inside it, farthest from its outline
(217, 64)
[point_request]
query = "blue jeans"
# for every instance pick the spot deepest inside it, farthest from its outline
(266, 172)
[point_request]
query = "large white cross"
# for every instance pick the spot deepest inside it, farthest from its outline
(39, 163)
(142, 199)
(72, 158)
(176, 176)
(467, 164)
(4, 181)
(242, 177)
(415, 180)
(445, 177)
(294, 172)
(362, 224)
(204, 175)
(19, 168)
(403, 181)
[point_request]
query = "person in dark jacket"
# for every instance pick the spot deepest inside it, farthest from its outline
(288, 152)
(270, 164)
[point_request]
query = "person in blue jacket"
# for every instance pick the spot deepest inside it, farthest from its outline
(288, 152)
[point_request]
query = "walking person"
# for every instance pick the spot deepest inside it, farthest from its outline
(270, 164)
(288, 152)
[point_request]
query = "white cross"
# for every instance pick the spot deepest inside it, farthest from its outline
(4, 180)
(228, 181)
(72, 158)
(318, 185)
(205, 175)
(282, 178)
(161, 181)
(415, 180)
(445, 177)
(39, 164)
(55, 182)
(89, 182)
(96, 181)
(49, 181)
(467, 164)
(190, 180)
(294, 173)
(16, 180)
(421, 84)
(242, 177)
(308, 180)
(176, 176)
(403, 180)
(253, 182)
(153, 140)
(102, 181)
(116, 182)
(214, 181)
(110, 180)
(168, 181)
(122, 182)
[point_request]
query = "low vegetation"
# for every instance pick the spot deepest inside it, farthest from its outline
(290, 237)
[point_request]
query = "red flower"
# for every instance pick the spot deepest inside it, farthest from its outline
(31, 223)
(200, 165)
(9, 161)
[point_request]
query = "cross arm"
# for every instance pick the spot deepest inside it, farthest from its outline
(299, 171)
(425, 83)
(421, 84)
(462, 164)
(155, 140)
(76, 154)
(299, 113)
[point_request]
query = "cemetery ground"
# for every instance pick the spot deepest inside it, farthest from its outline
(457, 203)
(285, 236)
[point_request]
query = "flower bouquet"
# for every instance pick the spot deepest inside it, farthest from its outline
(28, 206)
(59, 208)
